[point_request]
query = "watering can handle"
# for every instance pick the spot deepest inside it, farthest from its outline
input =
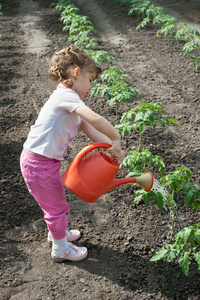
(88, 149)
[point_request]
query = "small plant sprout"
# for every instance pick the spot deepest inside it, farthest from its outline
(81, 24)
(112, 75)
(147, 197)
(185, 247)
(168, 25)
(171, 26)
(100, 56)
(187, 241)
(79, 27)
(185, 33)
(193, 46)
(83, 40)
(179, 180)
(146, 114)
(61, 4)
(152, 11)
(139, 6)
(117, 91)
(139, 162)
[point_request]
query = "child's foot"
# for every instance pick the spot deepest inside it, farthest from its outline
(73, 253)
(72, 235)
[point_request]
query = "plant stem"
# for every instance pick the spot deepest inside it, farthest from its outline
(173, 215)
(117, 110)
(140, 140)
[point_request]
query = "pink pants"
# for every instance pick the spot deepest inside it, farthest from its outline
(44, 182)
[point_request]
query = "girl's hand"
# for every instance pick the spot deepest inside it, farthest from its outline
(115, 151)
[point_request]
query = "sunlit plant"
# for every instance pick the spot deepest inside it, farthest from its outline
(179, 180)
(60, 4)
(193, 46)
(141, 116)
(138, 6)
(185, 32)
(151, 12)
(185, 244)
(117, 91)
(140, 161)
(185, 247)
(170, 26)
(99, 56)
(83, 40)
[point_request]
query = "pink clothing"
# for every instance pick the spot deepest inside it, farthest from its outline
(45, 147)
(44, 182)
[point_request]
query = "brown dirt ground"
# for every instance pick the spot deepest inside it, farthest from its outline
(120, 236)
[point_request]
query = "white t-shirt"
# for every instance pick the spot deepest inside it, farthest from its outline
(57, 124)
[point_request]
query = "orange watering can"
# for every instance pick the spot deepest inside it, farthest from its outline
(91, 176)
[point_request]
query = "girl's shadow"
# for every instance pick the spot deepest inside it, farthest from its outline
(134, 272)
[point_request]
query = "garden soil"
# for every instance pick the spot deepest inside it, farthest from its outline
(121, 237)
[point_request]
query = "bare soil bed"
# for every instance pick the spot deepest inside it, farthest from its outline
(121, 237)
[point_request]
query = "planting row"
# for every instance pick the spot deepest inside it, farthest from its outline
(168, 26)
(185, 244)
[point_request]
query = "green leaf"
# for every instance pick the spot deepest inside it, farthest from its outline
(159, 254)
(189, 197)
(159, 200)
(185, 234)
(139, 117)
(162, 121)
(196, 205)
(146, 199)
(170, 255)
(173, 121)
(186, 187)
(197, 258)
(184, 263)
(191, 240)
(137, 199)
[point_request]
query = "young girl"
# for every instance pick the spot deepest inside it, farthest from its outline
(46, 146)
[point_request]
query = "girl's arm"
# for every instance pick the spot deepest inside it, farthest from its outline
(98, 122)
(98, 129)
(93, 134)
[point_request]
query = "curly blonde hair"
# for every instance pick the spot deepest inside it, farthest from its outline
(67, 58)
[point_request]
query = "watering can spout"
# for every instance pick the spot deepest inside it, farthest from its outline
(91, 176)
(145, 181)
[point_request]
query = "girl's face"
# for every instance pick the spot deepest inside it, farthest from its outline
(82, 82)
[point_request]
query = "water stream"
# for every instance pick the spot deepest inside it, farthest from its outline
(157, 187)
(170, 207)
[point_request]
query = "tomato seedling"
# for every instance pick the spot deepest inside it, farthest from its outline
(185, 247)
(146, 114)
